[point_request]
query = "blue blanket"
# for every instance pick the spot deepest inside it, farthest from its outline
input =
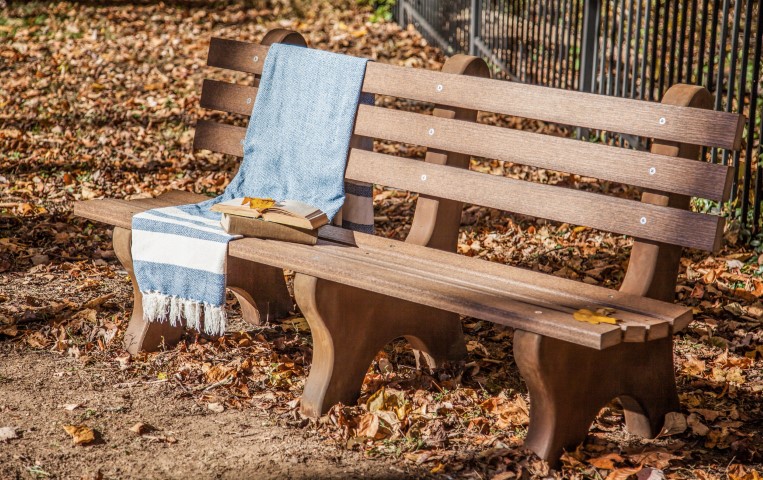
(295, 148)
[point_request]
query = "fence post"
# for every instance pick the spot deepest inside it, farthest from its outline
(473, 27)
(591, 15)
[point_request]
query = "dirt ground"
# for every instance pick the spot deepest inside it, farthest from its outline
(99, 99)
(35, 389)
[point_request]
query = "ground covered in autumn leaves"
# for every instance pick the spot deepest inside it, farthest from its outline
(101, 101)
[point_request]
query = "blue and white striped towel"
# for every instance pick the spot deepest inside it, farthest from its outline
(295, 148)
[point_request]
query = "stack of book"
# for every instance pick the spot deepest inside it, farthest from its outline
(288, 220)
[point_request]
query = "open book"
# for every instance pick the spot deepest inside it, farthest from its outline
(287, 212)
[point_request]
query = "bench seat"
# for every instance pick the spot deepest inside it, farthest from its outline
(507, 295)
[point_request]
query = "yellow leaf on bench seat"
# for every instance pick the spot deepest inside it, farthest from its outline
(601, 315)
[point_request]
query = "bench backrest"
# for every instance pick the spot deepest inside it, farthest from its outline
(667, 124)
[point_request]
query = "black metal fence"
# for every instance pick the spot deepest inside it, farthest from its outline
(626, 48)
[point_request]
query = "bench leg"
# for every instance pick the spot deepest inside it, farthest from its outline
(569, 384)
(350, 326)
(141, 335)
(260, 290)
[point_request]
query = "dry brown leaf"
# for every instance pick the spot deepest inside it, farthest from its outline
(81, 434)
(606, 462)
(623, 473)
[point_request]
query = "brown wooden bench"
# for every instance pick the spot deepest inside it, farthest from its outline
(359, 291)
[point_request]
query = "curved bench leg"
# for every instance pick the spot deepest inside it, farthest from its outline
(570, 383)
(141, 335)
(350, 326)
(650, 394)
(260, 290)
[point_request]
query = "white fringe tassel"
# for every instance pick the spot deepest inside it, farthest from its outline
(158, 307)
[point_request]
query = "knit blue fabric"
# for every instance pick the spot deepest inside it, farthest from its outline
(297, 141)
(295, 148)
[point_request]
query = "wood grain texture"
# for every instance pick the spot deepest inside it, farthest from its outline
(521, 284)
(653, 266)
(621, 165)
(633, 117)
(674, 226)
(350, 326)
(603, 212)
(436, 221)
(568, 386)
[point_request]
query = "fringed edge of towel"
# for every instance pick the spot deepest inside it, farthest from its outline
(158, 307)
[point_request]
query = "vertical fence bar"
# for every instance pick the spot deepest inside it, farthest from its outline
(634, 68)
(751, 122)
(663, 48)
(643, 88)
(673, 44)
(591, 13)
(751, 107)
(627, 62)
(653, 63)
(731, 84)
(604, 46)
(684, 14)
(721, 65)
(692, 32)
(473, 14)
(578, 43)
(617, 20)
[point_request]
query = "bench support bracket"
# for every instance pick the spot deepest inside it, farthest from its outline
(350, 326)
(570, 383)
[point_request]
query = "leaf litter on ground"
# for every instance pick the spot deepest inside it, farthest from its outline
(102, 102)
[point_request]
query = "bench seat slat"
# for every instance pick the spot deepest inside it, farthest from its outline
(495, 292)
(637, 219)
(631, 167)
(621, 115)
(327, 261)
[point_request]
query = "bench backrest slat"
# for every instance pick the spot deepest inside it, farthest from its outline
(621, 115)
(631, 167)
(619, 215)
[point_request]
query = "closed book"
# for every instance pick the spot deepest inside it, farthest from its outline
(259, 228)
(287, 212)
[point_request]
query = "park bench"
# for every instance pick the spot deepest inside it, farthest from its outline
(359, 291)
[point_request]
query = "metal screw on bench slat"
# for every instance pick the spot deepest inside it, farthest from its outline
(439, 88)
(662, 121)
(423, 178)
(538, 312)
(643, 220)
(249, 100)
(431, 131)
(652, 171)
(256, 58)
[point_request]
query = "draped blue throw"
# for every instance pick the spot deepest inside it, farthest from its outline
(295, 148)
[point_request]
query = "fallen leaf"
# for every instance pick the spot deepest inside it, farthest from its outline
(81, 434)
(600, 316)
(216, 407)
(623, 473)
(606, 462)
(675, 423)
(140, 428)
